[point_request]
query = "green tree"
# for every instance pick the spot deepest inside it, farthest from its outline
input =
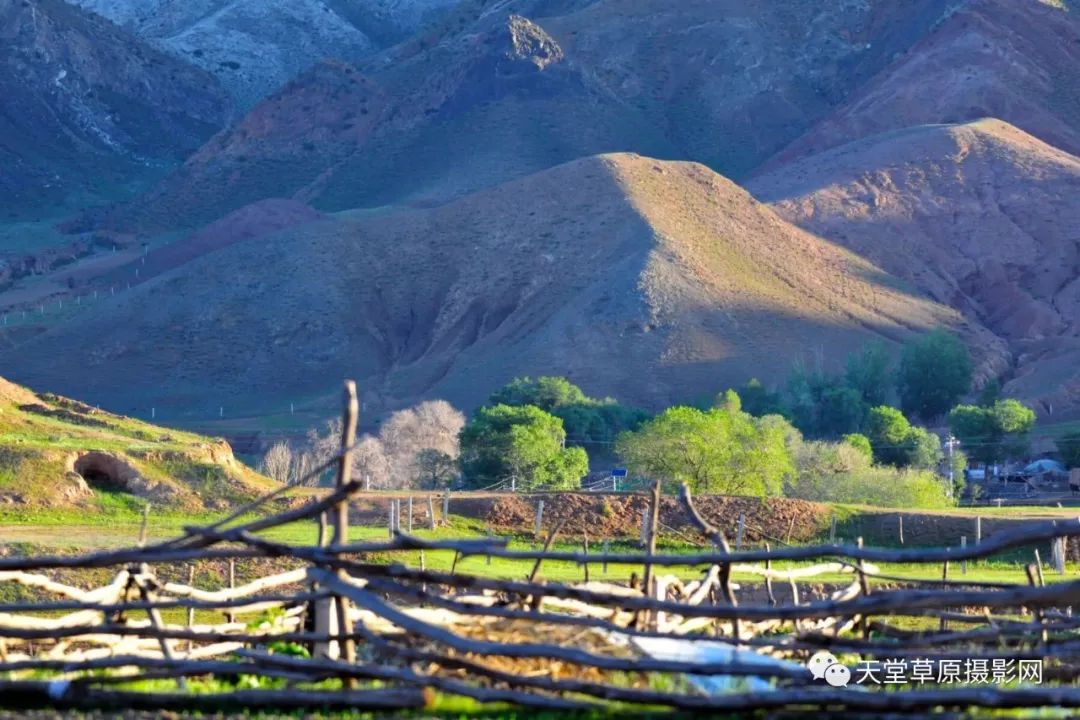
(897, 442)
(722, 450)
(546, 393)
(437, 469)
(993, 434)
(868, 373)
(585, 419)
(1069, 447)
(759, 401)
(935, 371)
(520, 442)
(824, 406)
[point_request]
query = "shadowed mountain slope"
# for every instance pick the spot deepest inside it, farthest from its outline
(1018, 60)
(981, 216)
(87, 106)
(651, 281)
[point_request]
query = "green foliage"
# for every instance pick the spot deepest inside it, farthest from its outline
(546, 393)
(523, 442)
(935, 371)
(867, 372)
(861, 443)
(759, 401)
(437, 469)
(585, 419)
(995, 433)
(823, 405)
(878, 486)
(722, 450)
(1069, 447)
(897, 442)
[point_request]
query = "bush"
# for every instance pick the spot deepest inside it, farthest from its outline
(877, 486)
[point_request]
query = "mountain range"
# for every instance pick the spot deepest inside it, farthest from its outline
(435, 197)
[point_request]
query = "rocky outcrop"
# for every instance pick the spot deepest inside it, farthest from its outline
(254, 47)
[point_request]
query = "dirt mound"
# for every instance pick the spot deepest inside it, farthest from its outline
(980, 216)
(667, 266)
(620, 516)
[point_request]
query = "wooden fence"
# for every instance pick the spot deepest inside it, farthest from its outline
(344, 629)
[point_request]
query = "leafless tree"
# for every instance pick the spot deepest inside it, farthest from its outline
(371, 464)
(433, 425)
(277, 463)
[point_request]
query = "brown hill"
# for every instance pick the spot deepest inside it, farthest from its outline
(88, 107)
(982, 217)
(1018, 60)
(651, 281)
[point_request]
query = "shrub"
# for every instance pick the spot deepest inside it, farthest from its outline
(877, 486)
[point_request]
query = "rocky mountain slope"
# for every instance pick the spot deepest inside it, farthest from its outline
(499, 90)
(468, 114)
(87, 107)
(255, 47)
(57, 452)
(651, 281)
(1009, 59)
(981, 216)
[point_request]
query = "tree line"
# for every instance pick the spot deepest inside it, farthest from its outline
(851, 436)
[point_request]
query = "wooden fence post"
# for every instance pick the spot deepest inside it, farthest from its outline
(446, 506)
(538, 522)
(230, 616)
(978, 530)
(1058, 553)
(585, 548)
(431, 511)
(408, 522)
(607, 545)
(832, 531)
(963, 547)
(332, 614)
(390, 519)
(652, 530)
(901, 518)
(739, 531)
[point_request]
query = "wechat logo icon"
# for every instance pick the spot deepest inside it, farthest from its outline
(823, 665)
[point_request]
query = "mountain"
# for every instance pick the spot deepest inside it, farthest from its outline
(1017, 60)
(70, 454)
(254, 47)
(500, 90)
(88, 108)
(648, 280)
(468, 114)
(981, 216)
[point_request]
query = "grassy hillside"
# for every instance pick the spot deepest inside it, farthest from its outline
(60, 453)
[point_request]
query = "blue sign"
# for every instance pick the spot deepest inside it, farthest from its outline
(618, 472)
